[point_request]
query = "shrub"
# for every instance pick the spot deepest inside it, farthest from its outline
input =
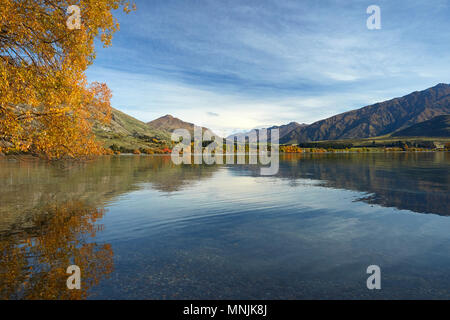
(108, 151)
(114, 147)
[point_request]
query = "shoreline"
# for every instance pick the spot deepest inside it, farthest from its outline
(32, 157)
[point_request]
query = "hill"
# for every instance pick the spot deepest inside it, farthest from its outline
(379, 119)
(437, 127)
(129, 133)
(169, 123)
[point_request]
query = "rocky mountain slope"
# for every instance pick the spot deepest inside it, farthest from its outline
(379, 119)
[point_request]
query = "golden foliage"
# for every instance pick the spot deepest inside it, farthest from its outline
(290, 149)
(46, 105)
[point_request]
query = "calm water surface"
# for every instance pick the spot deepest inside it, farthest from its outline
(141, 228)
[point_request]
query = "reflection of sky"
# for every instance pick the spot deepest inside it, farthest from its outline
(291, 236)
(270, 62)
(227, 194)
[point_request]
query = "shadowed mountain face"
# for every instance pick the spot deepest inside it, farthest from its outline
(378, 119)
(436, 127)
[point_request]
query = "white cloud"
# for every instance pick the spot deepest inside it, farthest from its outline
(271, 62)
(147, 98)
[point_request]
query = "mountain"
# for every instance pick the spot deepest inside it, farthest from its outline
(129, 133)
(169, 123)
(437, 127)
(284, 130)
(414, 114)
(288, 128)
(377, 119)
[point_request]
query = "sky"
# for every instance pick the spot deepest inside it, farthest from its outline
(237, 65)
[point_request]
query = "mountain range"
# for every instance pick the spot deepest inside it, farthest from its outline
(421, 114)
(284, 130)
(379, 119)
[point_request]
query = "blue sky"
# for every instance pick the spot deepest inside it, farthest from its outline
(234, 65)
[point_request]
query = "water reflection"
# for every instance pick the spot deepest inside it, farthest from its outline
(415, 181)
(201, 231)
(419, 182)
(28, 185)
(49, 218)
(33, 262)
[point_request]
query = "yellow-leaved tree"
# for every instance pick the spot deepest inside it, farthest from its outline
(47, 107)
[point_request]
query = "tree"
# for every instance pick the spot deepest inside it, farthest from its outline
(46, 105)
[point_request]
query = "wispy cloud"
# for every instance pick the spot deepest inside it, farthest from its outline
(261, 62)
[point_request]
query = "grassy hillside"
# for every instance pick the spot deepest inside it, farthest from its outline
(128, 133)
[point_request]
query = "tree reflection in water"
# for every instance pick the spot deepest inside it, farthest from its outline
(34, 262)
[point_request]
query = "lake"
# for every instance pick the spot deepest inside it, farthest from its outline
(140, 227)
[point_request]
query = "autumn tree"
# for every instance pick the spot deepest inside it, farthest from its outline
(46, 105)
